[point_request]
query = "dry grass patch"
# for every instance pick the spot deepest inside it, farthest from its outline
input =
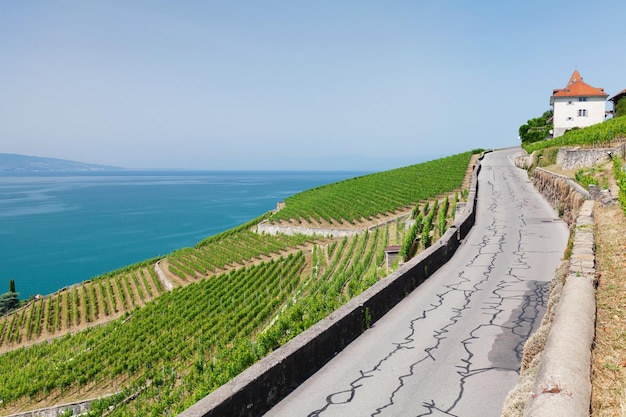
(609, 354)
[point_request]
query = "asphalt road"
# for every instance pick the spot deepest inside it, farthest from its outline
(453, 346)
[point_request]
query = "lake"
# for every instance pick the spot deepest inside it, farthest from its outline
(57, 229)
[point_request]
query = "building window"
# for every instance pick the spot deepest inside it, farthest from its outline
(582, 98)
(582, 112)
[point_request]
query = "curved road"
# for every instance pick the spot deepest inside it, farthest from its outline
(454, 345)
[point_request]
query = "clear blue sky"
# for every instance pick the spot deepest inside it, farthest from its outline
(363, 85)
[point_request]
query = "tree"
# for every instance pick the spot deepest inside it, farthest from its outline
(536, 129)
(9, 301)
(620, 108)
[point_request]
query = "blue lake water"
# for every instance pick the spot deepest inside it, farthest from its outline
(59, 229)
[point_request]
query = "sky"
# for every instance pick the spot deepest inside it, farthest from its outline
(290, 85)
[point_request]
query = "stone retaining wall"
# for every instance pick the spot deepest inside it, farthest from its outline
(563, 194)
(576, 158)
(272, 229)
(76, 408)
(264, 384)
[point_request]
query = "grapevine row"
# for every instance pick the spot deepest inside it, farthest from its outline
(361, 198)
(211, 313)
(599, 134)
(80, 305)
(234, 249)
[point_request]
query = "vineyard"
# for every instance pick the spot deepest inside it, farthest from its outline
(89, 303)
(237, 296)
(600, 134)
(109, 297)
(360, 199)
(231, 250)
(199, 321)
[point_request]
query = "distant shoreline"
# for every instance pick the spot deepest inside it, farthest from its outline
(10, 162)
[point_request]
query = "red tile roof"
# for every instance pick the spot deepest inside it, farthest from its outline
(576, 87)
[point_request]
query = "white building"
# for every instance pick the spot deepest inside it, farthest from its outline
(577, 105)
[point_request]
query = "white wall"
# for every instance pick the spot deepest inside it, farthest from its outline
(566, 113)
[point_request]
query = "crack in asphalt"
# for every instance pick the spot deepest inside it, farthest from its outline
(346, 396)
(510, 287)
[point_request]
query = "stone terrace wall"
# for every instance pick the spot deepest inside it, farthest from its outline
(76, 408)
(563, 194)
(272, 229)
(576, 158)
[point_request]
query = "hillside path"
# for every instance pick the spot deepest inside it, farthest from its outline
(162, 277)
(453, 346)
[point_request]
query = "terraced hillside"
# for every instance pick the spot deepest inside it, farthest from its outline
(235, 297)
(83, 305)
(360, 199)
(601, 134)
(111, 296)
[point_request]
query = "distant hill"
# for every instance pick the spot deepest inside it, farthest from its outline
(24, 163)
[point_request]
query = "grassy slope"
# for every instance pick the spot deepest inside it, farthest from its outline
(609, 353)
